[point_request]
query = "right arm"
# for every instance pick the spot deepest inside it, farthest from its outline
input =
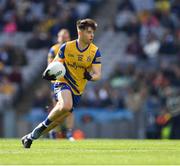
(60, 55)
(51, 55)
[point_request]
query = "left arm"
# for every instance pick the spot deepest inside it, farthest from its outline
(96, 72)
(96, 69)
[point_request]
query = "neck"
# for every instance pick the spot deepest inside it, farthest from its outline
(81, 44)
(60, 43)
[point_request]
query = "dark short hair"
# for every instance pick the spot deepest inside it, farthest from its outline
(85, 23)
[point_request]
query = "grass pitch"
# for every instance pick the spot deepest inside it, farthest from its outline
(90, 152)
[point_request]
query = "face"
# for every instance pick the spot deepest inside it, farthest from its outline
(87, 35)
(63, 36)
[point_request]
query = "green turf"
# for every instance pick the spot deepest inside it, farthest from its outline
(91, 152)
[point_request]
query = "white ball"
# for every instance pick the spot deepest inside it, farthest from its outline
(56, 68)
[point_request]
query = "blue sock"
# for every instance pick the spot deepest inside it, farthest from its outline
(36, 133)
(47, 122)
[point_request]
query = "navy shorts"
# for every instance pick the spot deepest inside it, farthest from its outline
(60, 86)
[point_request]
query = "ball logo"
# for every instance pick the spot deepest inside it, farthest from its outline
(58, 73)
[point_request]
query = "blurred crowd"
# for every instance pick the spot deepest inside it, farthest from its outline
(153, 28)
(11, 60)
(43, 17)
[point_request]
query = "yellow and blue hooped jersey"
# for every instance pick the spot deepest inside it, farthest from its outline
(75, 62)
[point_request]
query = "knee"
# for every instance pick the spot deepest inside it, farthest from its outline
(64, 106)
(67, 107)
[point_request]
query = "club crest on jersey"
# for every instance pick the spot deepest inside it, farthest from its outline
(88, 59)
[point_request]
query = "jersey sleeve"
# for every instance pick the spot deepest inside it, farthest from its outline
(61, 51)
(97, 58)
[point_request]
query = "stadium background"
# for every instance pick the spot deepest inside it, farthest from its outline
(140, 45)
